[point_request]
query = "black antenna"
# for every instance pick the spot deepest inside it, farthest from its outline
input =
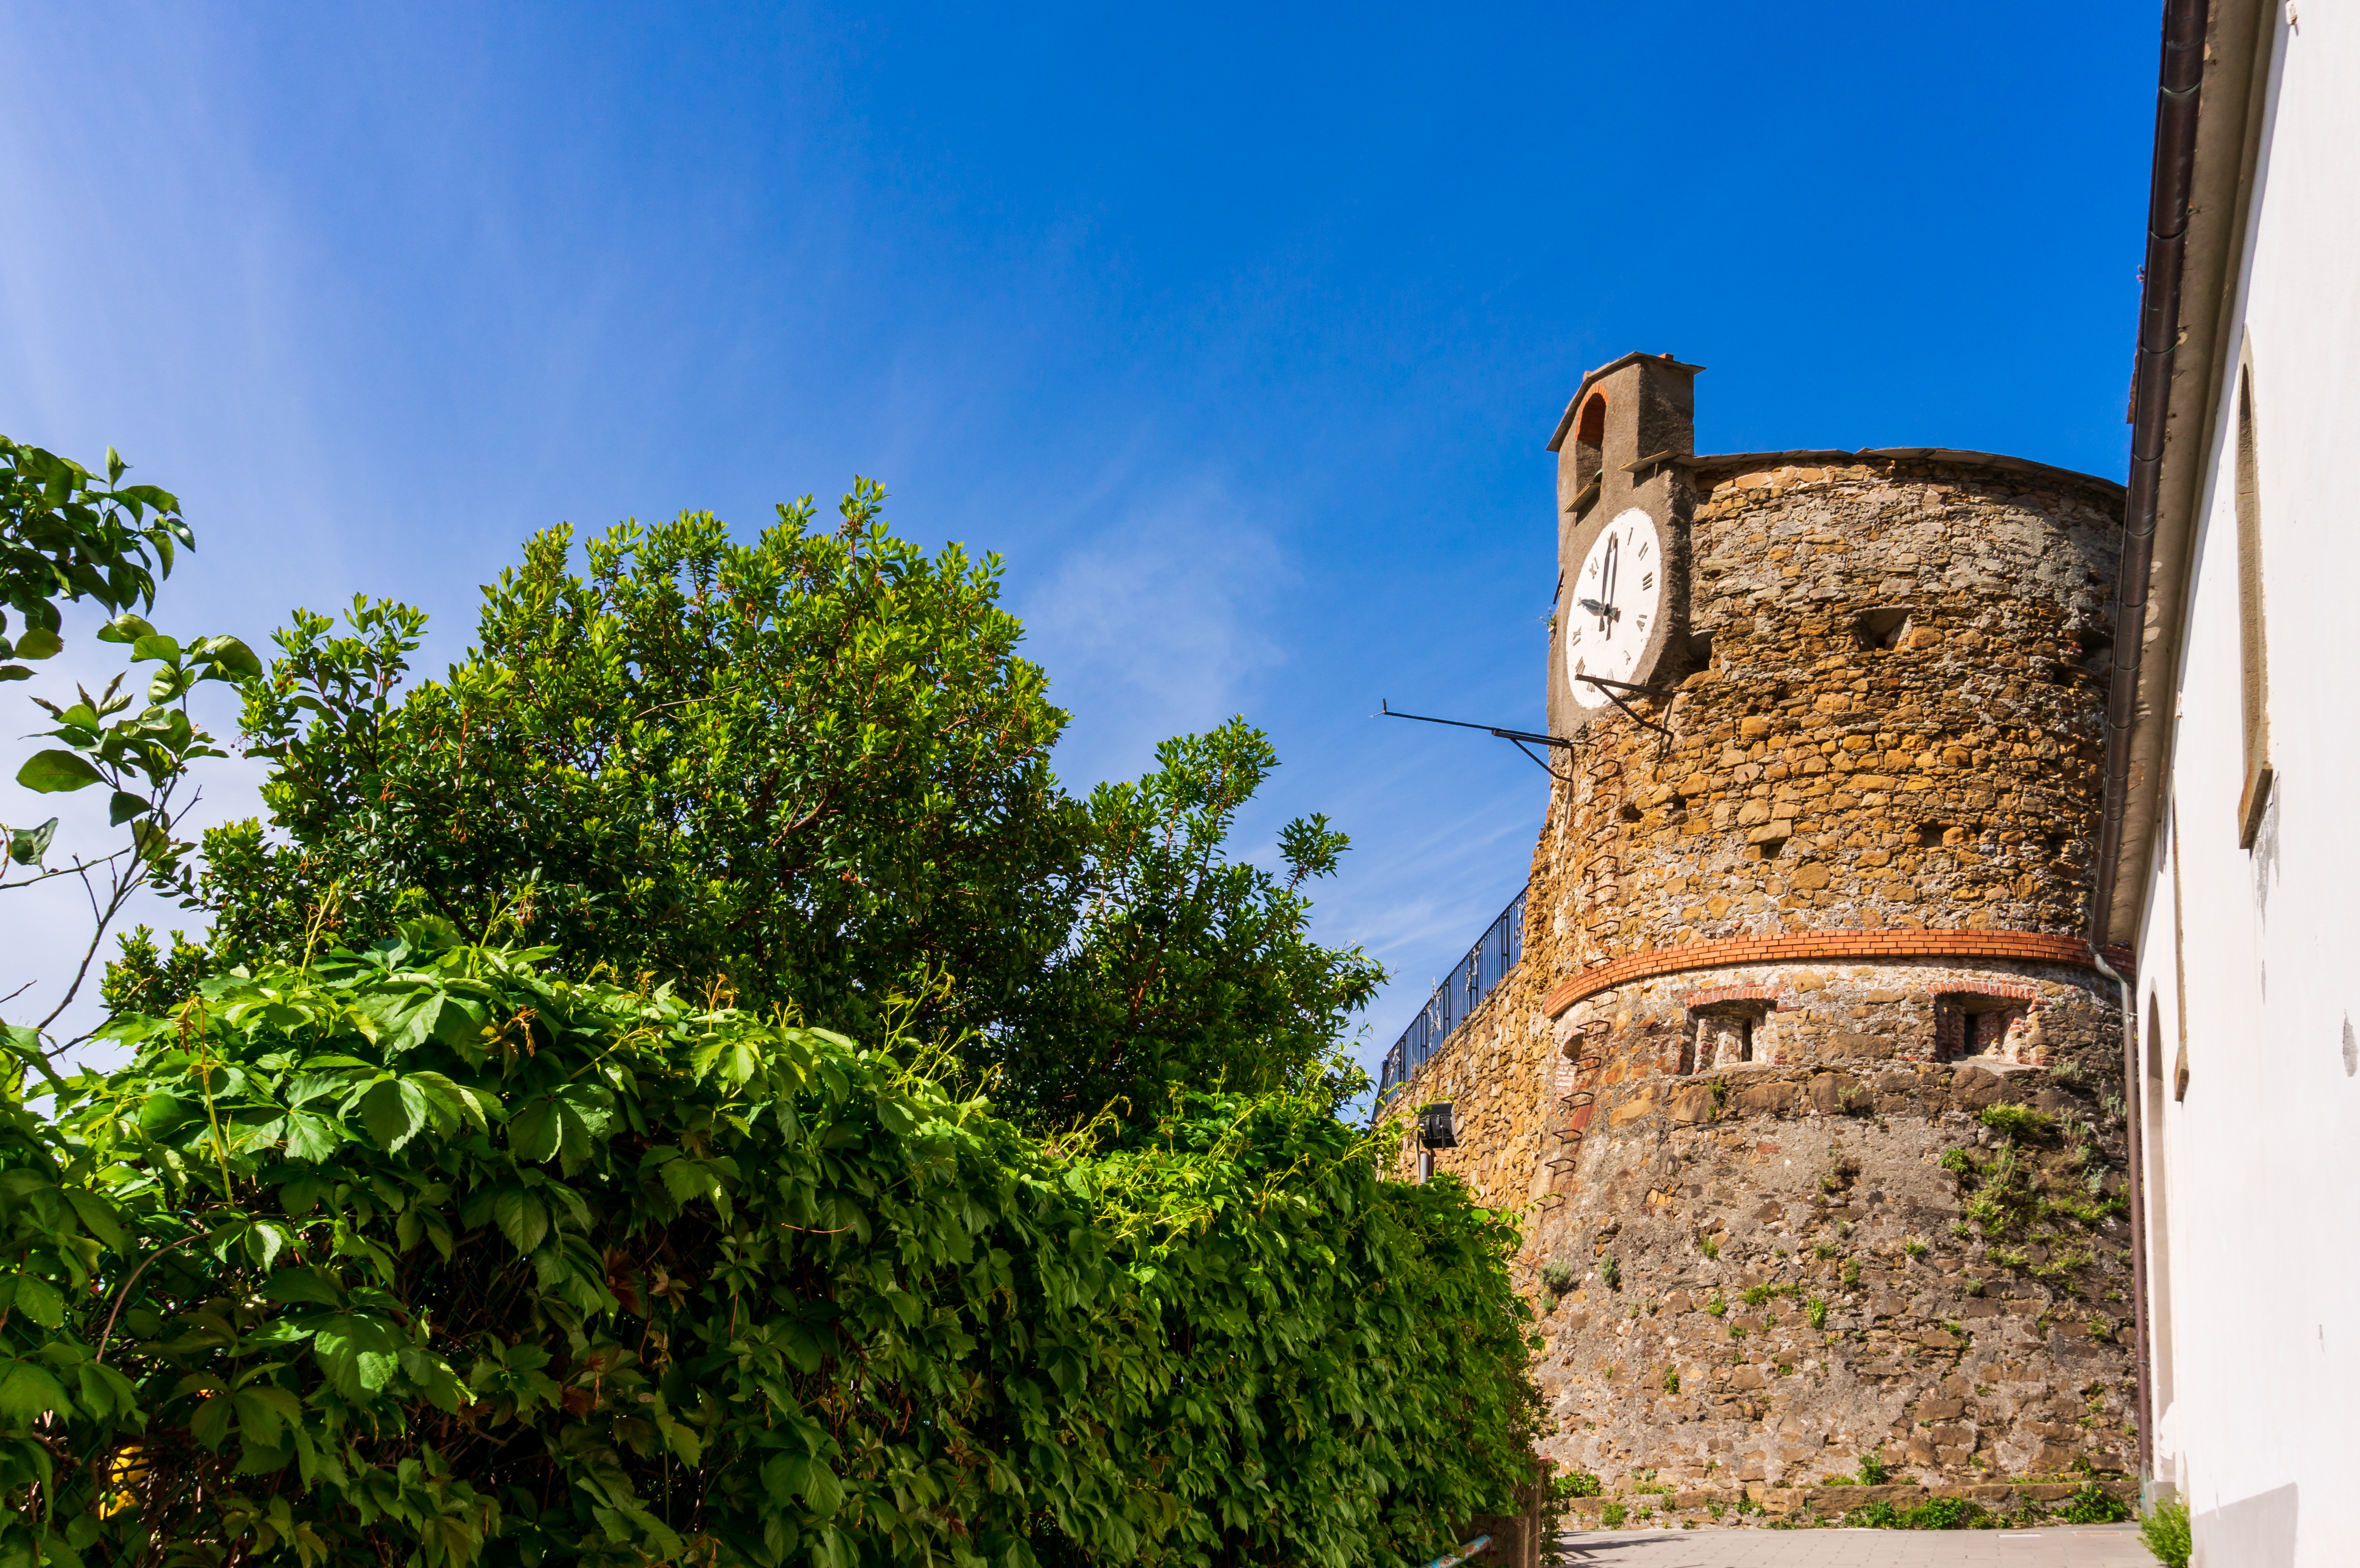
(1515, 737)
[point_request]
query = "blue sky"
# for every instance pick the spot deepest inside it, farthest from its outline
(1238, 331)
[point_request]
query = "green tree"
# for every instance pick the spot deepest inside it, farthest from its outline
(1188, 970)
(812, 768)
(65, 537)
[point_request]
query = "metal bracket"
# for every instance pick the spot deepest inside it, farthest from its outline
(1610, 687)
(1513, 738)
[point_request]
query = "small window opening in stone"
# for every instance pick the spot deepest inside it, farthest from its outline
(1882, 628)
(1631, 812)
(1589, 440)
(1930, 835)
(1700, 650)
(1724, 1035)
(1769, 847)
(2055, 844)
(1995, 1026)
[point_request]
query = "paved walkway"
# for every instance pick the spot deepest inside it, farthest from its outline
(2061, 1546)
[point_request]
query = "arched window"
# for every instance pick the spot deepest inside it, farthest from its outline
(2254, 683)
(1589, 440)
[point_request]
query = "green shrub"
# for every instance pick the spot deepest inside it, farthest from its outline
(2164, 1530)
(1611, 1272)
(1612, 1515)
(2017, 1121)
(1934, 1513)
(1556, 1278)
(2093, 1504)
(1581, 1483)
(427, 1255)
(1873, 1472)
(1940, 1513)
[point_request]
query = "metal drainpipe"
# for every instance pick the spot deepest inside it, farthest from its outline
(2137, 1155)
(2158, 339)
(2177, 99)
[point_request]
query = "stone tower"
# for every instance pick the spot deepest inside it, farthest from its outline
(1807, 1084)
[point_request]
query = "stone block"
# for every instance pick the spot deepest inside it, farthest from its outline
(1974, 1088)
(1631, 1110)
(1776, 1098)
(1863, 1047)
(1692, 1104)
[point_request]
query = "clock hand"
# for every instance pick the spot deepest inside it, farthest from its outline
(1595, 608)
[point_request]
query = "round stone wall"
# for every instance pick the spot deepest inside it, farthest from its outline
(1888, 716)
(1833, 1160)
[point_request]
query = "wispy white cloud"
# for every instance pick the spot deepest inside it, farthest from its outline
(1158, 625)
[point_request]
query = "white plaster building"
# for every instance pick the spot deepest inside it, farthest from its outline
(2231, 860)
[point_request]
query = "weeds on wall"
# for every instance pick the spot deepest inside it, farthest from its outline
(2164, 1530)
(2045, 1185)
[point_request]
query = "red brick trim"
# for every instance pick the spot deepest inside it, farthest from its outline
(1996, 988)
(1729, 952)
(1730, 994)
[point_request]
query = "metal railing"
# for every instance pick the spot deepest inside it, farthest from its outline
(1462, 992)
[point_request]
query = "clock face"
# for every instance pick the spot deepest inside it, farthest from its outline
(1611, 610)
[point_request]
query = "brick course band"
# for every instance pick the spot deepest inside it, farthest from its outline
(1804, 947)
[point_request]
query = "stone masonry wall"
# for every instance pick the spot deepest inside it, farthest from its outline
(1886, 726)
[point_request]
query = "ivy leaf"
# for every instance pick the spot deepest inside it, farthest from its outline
(263, 1411)
(36, 1298)
(107, 1392)
(568, 1122)
(311, 1138)
(39, 642)
(97, 1216)
(28, 1392)
(522, 1217)
(534, 1132)
(360, 1352)
(302, 1284)
(57, 772)
(822, 1491)
(459, 1024)
(160, 1114)
(210, 1424)
(393, 1112)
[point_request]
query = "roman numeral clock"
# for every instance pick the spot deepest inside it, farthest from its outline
(1616, 607)
(1623, 505)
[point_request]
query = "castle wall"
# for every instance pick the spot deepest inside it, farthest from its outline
(1779, 966)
